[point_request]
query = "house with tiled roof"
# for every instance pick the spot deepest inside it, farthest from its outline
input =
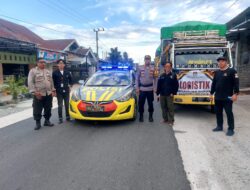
(20, 47)
(82, 63)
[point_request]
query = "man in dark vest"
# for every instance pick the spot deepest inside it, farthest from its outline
(167, 87)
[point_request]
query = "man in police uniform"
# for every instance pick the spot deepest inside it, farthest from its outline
(145, 87)
(225, 85)
(63, 82)
(41, 85)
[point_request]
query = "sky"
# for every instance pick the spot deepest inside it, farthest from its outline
(131, 25)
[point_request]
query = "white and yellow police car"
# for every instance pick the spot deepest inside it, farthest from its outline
(108, 95)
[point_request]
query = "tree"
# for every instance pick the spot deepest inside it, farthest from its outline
(115, 55)
(125, 57)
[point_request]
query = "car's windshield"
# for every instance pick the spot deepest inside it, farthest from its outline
(110, 78)
(201, 59)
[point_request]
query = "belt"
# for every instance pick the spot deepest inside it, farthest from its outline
(146, 85)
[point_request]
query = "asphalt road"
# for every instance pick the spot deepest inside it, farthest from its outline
(91, 156)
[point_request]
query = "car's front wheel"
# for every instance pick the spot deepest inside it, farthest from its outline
(135, 113)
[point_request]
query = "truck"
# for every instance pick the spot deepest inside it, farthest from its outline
(193, 48)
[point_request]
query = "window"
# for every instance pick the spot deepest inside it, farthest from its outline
(28, 59)
(10, 57)
(24, 58)
(20, 58)
(15, 58)
(5, 57)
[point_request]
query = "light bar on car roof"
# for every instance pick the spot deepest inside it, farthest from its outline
(118, 66)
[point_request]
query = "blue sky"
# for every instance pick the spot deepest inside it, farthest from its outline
(131, 25)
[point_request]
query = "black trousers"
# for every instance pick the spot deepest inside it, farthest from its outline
(227, 105)
(63, 98)
(149, 95)
(45, 103)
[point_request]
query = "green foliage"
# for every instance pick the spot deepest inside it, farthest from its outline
(15, 87)
(116, 57)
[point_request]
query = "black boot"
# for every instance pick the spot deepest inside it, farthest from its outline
(60, 120)
(38, 125)
(68, 118)
(141, 117)
(48, 123)
(150, 117)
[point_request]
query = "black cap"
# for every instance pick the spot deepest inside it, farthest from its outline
(221, 58)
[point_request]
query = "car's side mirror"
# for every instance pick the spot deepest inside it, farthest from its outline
(81, 82)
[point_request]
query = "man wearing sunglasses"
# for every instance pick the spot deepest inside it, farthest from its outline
(41, 85)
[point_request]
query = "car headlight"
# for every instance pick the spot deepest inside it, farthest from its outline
(75, 96)
(125, 97)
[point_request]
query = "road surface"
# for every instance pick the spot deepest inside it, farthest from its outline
(91, 156)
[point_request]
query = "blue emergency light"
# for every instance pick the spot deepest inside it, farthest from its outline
(105, 65)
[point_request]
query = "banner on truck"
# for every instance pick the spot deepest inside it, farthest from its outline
(195, 82)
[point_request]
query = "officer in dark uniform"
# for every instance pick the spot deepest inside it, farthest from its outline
(225, 85)
(63, 83)
(145, 87)
(41, 85)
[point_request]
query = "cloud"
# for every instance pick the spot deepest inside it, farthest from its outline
(134, 26)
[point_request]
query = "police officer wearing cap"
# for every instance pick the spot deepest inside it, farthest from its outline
(145, 87)
(63, 82)
(41, 85)
(225, 86)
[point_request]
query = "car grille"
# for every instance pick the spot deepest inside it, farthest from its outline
(101, 103)
(96, 114)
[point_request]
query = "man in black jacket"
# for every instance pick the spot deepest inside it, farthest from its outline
(62, 82)
(225, 85)
(167, 87)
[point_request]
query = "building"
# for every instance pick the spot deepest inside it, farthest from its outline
(16, 58)
(80, 61)
(239, 35)
(19, 49)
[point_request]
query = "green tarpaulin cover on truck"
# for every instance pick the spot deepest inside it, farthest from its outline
(167, 32)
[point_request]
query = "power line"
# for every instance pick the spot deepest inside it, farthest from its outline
(78, 16)
(226, 9)
(72, 14)
(75, 13)
(44, 27)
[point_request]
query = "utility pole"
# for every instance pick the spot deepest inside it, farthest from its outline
(97, 30)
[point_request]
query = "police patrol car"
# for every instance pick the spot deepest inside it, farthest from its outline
(108, 95)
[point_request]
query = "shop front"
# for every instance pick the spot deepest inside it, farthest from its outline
(16, 58)
(50, 57)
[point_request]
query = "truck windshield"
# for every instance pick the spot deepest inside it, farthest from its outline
(197, 59)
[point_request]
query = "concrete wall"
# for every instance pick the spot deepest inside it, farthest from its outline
(1, 73)
(243, 59)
